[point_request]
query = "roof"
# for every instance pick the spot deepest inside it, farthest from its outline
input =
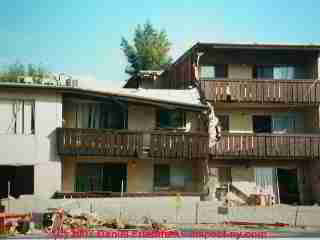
(185, 99)
(266, 46)
(182, 96)
(249, 46)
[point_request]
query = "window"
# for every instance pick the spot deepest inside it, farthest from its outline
(262, 124)
(281, 72)
(17, 117)
(170, 119)
(224, 122)
(161, 175)
(207, 72)
(95, 115)
(214, 71)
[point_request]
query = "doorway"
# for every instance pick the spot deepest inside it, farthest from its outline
(21, 180)
(288, 185)
(101, 177)
(114, 174)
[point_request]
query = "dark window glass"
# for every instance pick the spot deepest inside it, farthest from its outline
(224, 122)
(161, 175)
(261, 124)
(170, 119)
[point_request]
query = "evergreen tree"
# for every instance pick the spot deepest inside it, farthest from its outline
(150, 50)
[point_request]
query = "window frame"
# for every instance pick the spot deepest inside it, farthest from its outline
(182, 124)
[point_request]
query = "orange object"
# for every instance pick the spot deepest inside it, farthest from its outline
(4, 216)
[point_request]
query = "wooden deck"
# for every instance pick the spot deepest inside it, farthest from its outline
(178, 145)
(125, 143)
(262, 91)
(267, 146)
(85, 142)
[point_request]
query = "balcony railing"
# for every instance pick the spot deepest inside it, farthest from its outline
(262, 146)
(155, 144)
(178, 145)
(77, 141)
(262, 91)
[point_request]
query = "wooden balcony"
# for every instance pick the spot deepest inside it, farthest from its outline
(168, 145)
(262, 91)
(124, 143)
(84, 142)
(267, 146)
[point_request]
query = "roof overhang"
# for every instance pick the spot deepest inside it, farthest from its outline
(107, 95)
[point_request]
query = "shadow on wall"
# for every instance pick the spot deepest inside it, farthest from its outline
(53, 151)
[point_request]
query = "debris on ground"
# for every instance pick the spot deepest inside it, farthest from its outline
(14, 223)
(64, 220)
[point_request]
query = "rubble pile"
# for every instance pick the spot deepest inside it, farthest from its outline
(63, 220)
(58, 220)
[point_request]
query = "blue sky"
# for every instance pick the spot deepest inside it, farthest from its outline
(82, 37)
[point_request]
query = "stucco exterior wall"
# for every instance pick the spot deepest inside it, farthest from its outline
(240, 122)
(141, 117)
(241, 71)
(39, 149)
(140, 175)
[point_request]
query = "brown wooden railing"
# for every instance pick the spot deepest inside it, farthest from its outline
(77, 141)
(161, 144)
(178, 145)
(291, 146)
(262, 91)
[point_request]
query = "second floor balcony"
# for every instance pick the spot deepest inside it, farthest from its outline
(267, 146)
(262, 91)
(126, 143)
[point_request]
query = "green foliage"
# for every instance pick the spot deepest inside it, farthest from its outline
(150, 50)
(13, 71)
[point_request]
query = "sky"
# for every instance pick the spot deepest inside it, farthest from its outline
(82, 37)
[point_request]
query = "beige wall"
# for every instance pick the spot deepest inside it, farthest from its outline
(140, 177)
(140, 173)
(141, 117)
(240, 122)
(239, 71)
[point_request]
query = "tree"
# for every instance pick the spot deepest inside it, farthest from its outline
(15, 70)
(150, 50)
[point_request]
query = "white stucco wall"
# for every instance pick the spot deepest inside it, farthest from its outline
(38, 150)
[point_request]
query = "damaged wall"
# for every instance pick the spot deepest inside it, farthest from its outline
(38, 149)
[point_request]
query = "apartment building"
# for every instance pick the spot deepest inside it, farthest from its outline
(267, 100)
(59, 139)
